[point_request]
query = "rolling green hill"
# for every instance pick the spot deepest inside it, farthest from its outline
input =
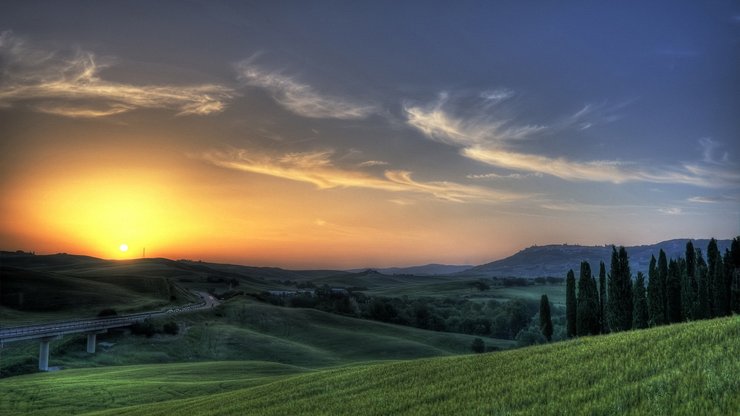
(243, 329)
(37, 296)
(40, 288)
(684, 369)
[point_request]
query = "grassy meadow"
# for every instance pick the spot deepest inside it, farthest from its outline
(684, 369)
(244, 329)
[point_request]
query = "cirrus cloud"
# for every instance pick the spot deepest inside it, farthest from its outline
(487, 140)
(318, 169)
(301, 98)
(68, 83)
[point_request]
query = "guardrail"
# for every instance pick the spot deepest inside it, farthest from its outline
(68, 327)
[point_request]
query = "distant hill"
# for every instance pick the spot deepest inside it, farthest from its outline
(57, 286)
(535, 261)
(556, 260)
(425, 270)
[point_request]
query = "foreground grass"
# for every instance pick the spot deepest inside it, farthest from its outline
(686, 369)
(76, 391)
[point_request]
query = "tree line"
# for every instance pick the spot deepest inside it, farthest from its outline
(504, 319)
(682, 289)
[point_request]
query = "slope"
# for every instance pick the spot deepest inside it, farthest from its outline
(684, 369)
(243, 329)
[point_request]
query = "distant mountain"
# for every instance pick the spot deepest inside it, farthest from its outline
(425, 270)
(556, 260)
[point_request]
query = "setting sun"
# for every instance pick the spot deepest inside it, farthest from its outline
(123, 248)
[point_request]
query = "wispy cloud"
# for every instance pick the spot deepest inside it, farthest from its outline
(596, 171)
(709, 150)
(301, 98)
(493, 175)
(436, 123)
(318, 169)
(487, 140)
(401, 202)
(496, 96)
(370, 163)
(671, 211)
(77, 111)
(713, 199)
(68, 83)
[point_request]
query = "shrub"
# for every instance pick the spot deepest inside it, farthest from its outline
(530, 336)
(107, 312)
(478, 346)
(145, 327)
(171, 328)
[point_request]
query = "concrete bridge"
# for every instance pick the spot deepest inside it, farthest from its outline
(47, 332)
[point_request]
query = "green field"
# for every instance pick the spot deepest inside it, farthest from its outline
(56, 287)
(684, 369)
(243, 329)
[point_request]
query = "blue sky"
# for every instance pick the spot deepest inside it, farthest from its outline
(410, 132)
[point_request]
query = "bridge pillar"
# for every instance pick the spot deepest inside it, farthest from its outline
(91, 343)
(44, 355)
(44, 352)
(91, 340)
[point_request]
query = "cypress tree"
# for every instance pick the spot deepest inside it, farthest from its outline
(735, 268)
(587, 310)
(735, 291)
(624, 265)
(619, 302)
(673, 290)
(545, 318)
(690, 259)
(662, 282)
(602, 298)
(570, 304)
(729, 269)
(611, 301)
(656, 315)
(640, 314)
(686, 293)
(689, 286)
(712, 256)
(703, 310)
(721, 306)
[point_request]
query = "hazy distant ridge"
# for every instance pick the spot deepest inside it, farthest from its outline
(556, 260)
(425, 270)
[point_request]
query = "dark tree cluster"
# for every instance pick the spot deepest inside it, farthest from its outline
(682, 289)
(490, 319)
(148, 328)
(695, 287)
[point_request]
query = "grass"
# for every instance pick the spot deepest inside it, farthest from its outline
(243, 329)
(685, 369)
(138, 384)
(454, 287)
(53, 296)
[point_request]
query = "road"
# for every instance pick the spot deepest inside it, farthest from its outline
(55, 329)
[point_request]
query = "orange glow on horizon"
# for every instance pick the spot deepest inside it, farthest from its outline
(93, 200)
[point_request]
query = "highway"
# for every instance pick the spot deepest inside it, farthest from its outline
(55, 329)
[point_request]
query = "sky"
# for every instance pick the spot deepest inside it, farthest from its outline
(335, 134)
